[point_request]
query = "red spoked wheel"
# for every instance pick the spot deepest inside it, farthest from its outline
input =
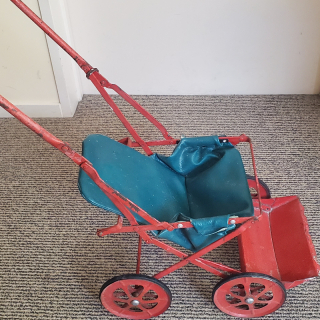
(135, 296)
(249, 295)
(263, 188)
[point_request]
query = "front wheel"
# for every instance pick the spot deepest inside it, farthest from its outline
(135, 296)
(249, 295)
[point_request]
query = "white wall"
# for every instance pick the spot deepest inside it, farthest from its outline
(160, 47)
(66, 71)
(26, 75)
(201, 46)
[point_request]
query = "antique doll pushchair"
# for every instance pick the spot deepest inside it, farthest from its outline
(199, 198)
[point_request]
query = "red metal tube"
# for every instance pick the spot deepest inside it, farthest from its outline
(198, 254)
(255, 175)
(99, 82)
(41, 132)
(139, 255)
(124, 204)
(86, 67)
(119, 114)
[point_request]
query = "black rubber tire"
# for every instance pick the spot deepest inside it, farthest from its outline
(132, 313)
(135, 276)
(249, 275)
(263, 185)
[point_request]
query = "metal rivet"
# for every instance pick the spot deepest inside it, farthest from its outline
(135, 302)
(180, 225)
(249, 300)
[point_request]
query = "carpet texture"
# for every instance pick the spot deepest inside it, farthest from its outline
(52, 264)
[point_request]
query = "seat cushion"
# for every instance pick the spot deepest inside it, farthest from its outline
(203, 181)
(216, 182)
(151, 185)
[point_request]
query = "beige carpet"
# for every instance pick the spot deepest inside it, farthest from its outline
(53, 265)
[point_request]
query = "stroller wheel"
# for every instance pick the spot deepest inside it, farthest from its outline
(249, 295)
(135, 296)
(263, 188)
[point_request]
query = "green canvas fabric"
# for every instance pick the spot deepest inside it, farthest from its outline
(203, 181)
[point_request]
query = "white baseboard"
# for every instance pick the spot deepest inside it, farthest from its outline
(36, 111)
(66, 71)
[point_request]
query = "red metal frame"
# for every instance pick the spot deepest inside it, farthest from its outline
(252, 257)
(282, 233)
(126, 206)
(266, 295)
(136, 297)
(101, 84)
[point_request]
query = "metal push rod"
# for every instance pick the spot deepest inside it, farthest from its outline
(121, 202)
(125, 205)
(101, 83)
(85, 66)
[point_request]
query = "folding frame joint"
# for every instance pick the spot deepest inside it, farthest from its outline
(90, 72)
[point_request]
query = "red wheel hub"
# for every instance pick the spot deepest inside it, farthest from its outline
(135, 297)
(249, 295)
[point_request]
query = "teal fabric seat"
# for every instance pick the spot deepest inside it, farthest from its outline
(203, 181)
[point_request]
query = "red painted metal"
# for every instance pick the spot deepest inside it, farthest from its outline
(290, 285)
(255, 175)
(135, 298)
(191, 258)
(256, 247)
(249, 296)
(41, 132)
(279, 245)
(139, 255)
(237, 220)
(225, 270)
(142, 228)
(132, 144)
(85, 66)
(263, 192)
(295, 253)
(214, 268)
(105, 83)
(119, 114)
(266, 241)
(100, 83)
(237, 140)
(259, 252)
(124, 204)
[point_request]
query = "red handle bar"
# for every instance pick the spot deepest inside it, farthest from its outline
(101, 83)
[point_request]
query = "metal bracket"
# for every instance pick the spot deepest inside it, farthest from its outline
(89, 73)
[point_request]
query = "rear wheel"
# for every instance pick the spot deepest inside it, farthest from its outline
(263, 188)
(135, 296)
(249, 295)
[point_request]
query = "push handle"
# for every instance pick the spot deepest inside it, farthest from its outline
(121, 202)
(85, 66)
(101, 83)
(41, 132)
